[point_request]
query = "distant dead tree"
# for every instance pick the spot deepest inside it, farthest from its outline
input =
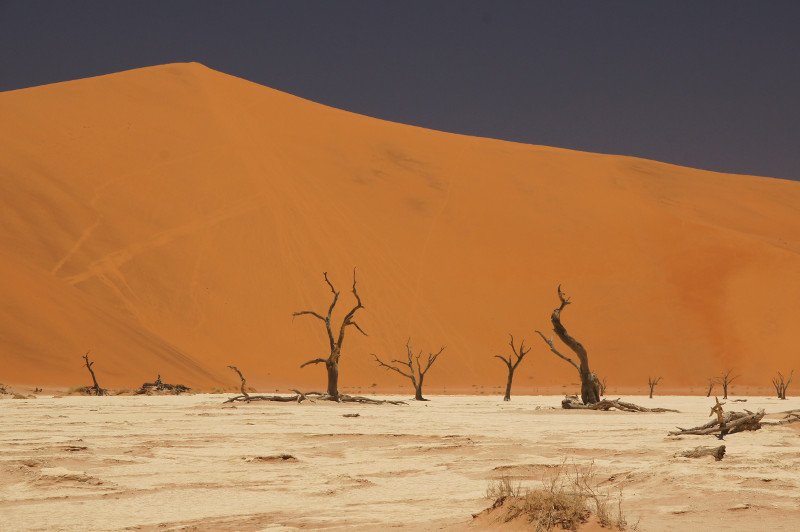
(512, 364)
(417, 376)
(603, 384)
(245, 395)
(711, 383)
(651, 382)
(590, 386)
(781, 384)
(335, 341)
(95, 388)
(726, 380)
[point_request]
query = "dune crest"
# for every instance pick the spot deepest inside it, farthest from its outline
(172, 218)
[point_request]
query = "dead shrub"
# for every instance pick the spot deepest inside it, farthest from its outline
(566, 498)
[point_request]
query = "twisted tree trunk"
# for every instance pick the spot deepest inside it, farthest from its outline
(590, 385)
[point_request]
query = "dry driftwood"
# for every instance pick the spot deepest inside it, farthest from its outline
(732, 422)
(698, 452)
(572, 402)
(160, 386)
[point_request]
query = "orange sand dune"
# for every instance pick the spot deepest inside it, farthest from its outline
(172, 218)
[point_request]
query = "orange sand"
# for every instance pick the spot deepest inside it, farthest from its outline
(172, 218)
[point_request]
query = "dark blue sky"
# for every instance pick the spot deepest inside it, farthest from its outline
(710, 84)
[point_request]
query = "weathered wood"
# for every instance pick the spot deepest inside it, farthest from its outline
(698, 452)
(726, 380)
(571, 402)
(512, 364)
(732, 422)
(335, 341)
(590, 386)
(415, 375)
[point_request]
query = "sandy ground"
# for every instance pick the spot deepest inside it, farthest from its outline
(83, 463)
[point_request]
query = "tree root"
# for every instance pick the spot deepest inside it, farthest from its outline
(733, 422)
(699, 452)
(572, 402)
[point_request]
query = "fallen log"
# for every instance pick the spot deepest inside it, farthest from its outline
(790, 417)
(299, 397)
(699, 452)
(732, 422)
(572, 402)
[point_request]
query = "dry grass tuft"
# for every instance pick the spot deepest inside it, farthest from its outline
(566, 499)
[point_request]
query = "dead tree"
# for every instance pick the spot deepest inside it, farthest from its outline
(603, 385)
(590, 387)
(651, 382)
(781, 384)
(417, 376)
(335, 341)
(512, 364)
(711, 383)
(726, 380)
(95, 388)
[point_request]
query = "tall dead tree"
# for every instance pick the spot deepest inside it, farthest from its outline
(513, 363)
(726, 380)
(95, 388)
(781, 384)
(417, 376)
(590, 386)
(651, 382)
(335, 341)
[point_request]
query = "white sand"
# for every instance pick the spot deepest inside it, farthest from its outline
(189, 461)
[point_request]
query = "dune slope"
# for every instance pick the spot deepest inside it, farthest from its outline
(172, 218)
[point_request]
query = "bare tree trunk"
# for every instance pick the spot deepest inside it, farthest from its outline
(726, 381)
(651, 382)
(590, 385)
(711, 383)
(507, 396)
(333, 379)
(418, 389)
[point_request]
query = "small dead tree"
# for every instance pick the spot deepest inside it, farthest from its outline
(603, 386)
(512, 364)
(726, 380)
(651, 382)
(245, 395)
(590, 386)
(95, 388)
(781, 384)
(417, 376)
(158, 385)
(335, 340)
(711, 383)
